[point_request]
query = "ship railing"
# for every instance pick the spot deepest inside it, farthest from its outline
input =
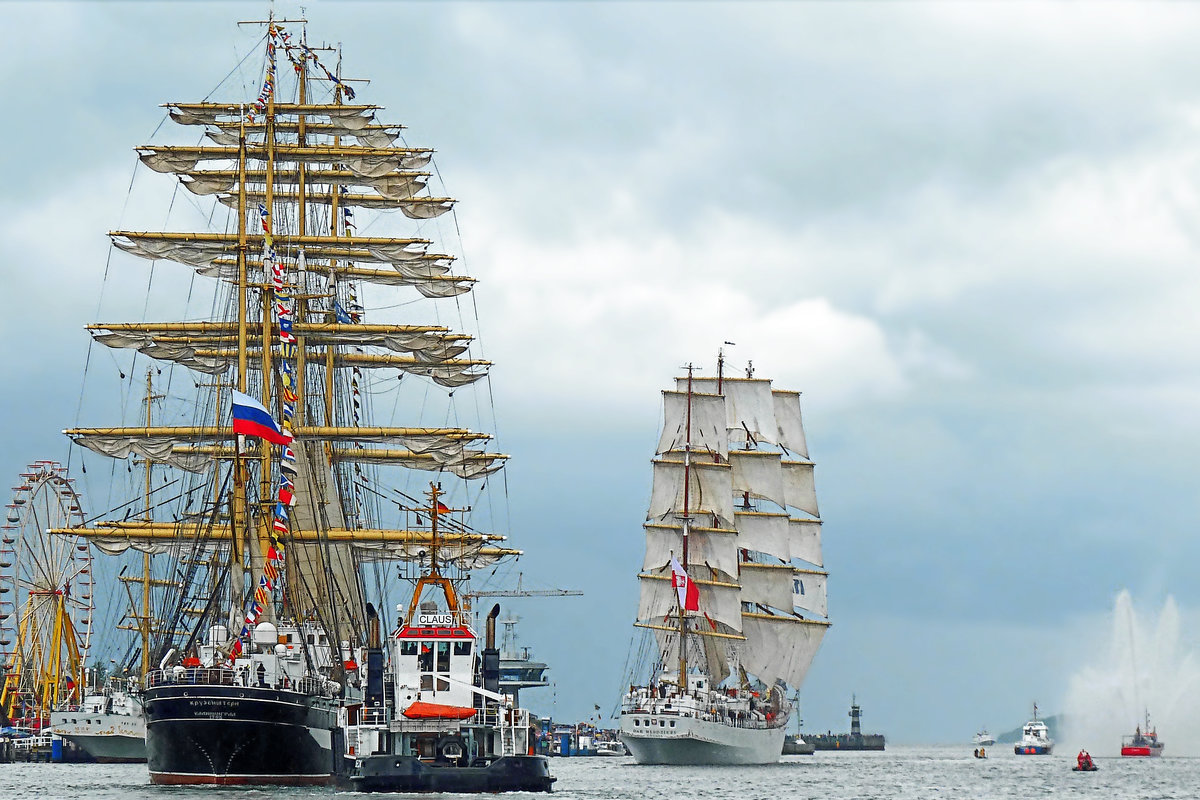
(219, 676)
(313, 686)
(33, 742)
(212, 676)
(736, 719)
(374, 716)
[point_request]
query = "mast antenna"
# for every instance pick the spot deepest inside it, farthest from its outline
(721, 364)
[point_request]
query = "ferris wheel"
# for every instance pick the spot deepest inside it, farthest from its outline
(45, 596)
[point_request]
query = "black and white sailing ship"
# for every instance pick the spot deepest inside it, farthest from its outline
(273, 539)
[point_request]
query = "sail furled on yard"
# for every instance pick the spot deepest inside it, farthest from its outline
(738, 448)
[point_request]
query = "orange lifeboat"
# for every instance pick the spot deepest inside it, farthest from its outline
(437, 711)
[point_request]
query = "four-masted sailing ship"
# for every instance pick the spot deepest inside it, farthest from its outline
(282, 494)
(735, 617)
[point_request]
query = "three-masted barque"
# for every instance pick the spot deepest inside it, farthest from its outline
(731, 585)
(283, 490)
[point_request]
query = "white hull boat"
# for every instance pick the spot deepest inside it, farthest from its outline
(697, 741)
(110, 727)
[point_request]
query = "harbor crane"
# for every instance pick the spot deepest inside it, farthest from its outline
(520, 591)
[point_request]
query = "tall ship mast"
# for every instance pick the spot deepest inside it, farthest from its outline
(731, 586)
(295, 487)
(109, 722)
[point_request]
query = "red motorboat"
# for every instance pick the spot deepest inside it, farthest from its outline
(1143, 742)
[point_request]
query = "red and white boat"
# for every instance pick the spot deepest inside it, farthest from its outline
(1144, 742)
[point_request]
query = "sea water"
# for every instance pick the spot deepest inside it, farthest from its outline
(899, 773)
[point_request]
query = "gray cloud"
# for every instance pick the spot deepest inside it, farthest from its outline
(965, 232)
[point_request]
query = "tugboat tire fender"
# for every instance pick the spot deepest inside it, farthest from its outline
(451, 747)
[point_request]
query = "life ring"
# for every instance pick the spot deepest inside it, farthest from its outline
(451, 747)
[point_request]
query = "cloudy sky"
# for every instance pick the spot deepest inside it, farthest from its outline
(966, 232)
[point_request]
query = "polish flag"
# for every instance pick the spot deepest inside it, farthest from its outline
(689, 595)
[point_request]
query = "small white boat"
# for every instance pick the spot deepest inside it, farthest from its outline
(610, 748)
(984, 739)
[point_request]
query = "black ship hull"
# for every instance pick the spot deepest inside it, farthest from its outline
(387, 773)
(219, 734)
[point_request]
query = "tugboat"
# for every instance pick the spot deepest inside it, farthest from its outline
(1143, 742)
(1035, 739)
(435, 719)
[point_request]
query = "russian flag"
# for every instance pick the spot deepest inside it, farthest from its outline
(250, 418)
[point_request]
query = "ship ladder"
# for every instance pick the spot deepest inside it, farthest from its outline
(508, 739)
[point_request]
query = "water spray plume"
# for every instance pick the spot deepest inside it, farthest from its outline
(1144, 669)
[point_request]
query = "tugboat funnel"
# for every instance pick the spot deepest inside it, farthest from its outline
(491, 656)
(491, 627)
